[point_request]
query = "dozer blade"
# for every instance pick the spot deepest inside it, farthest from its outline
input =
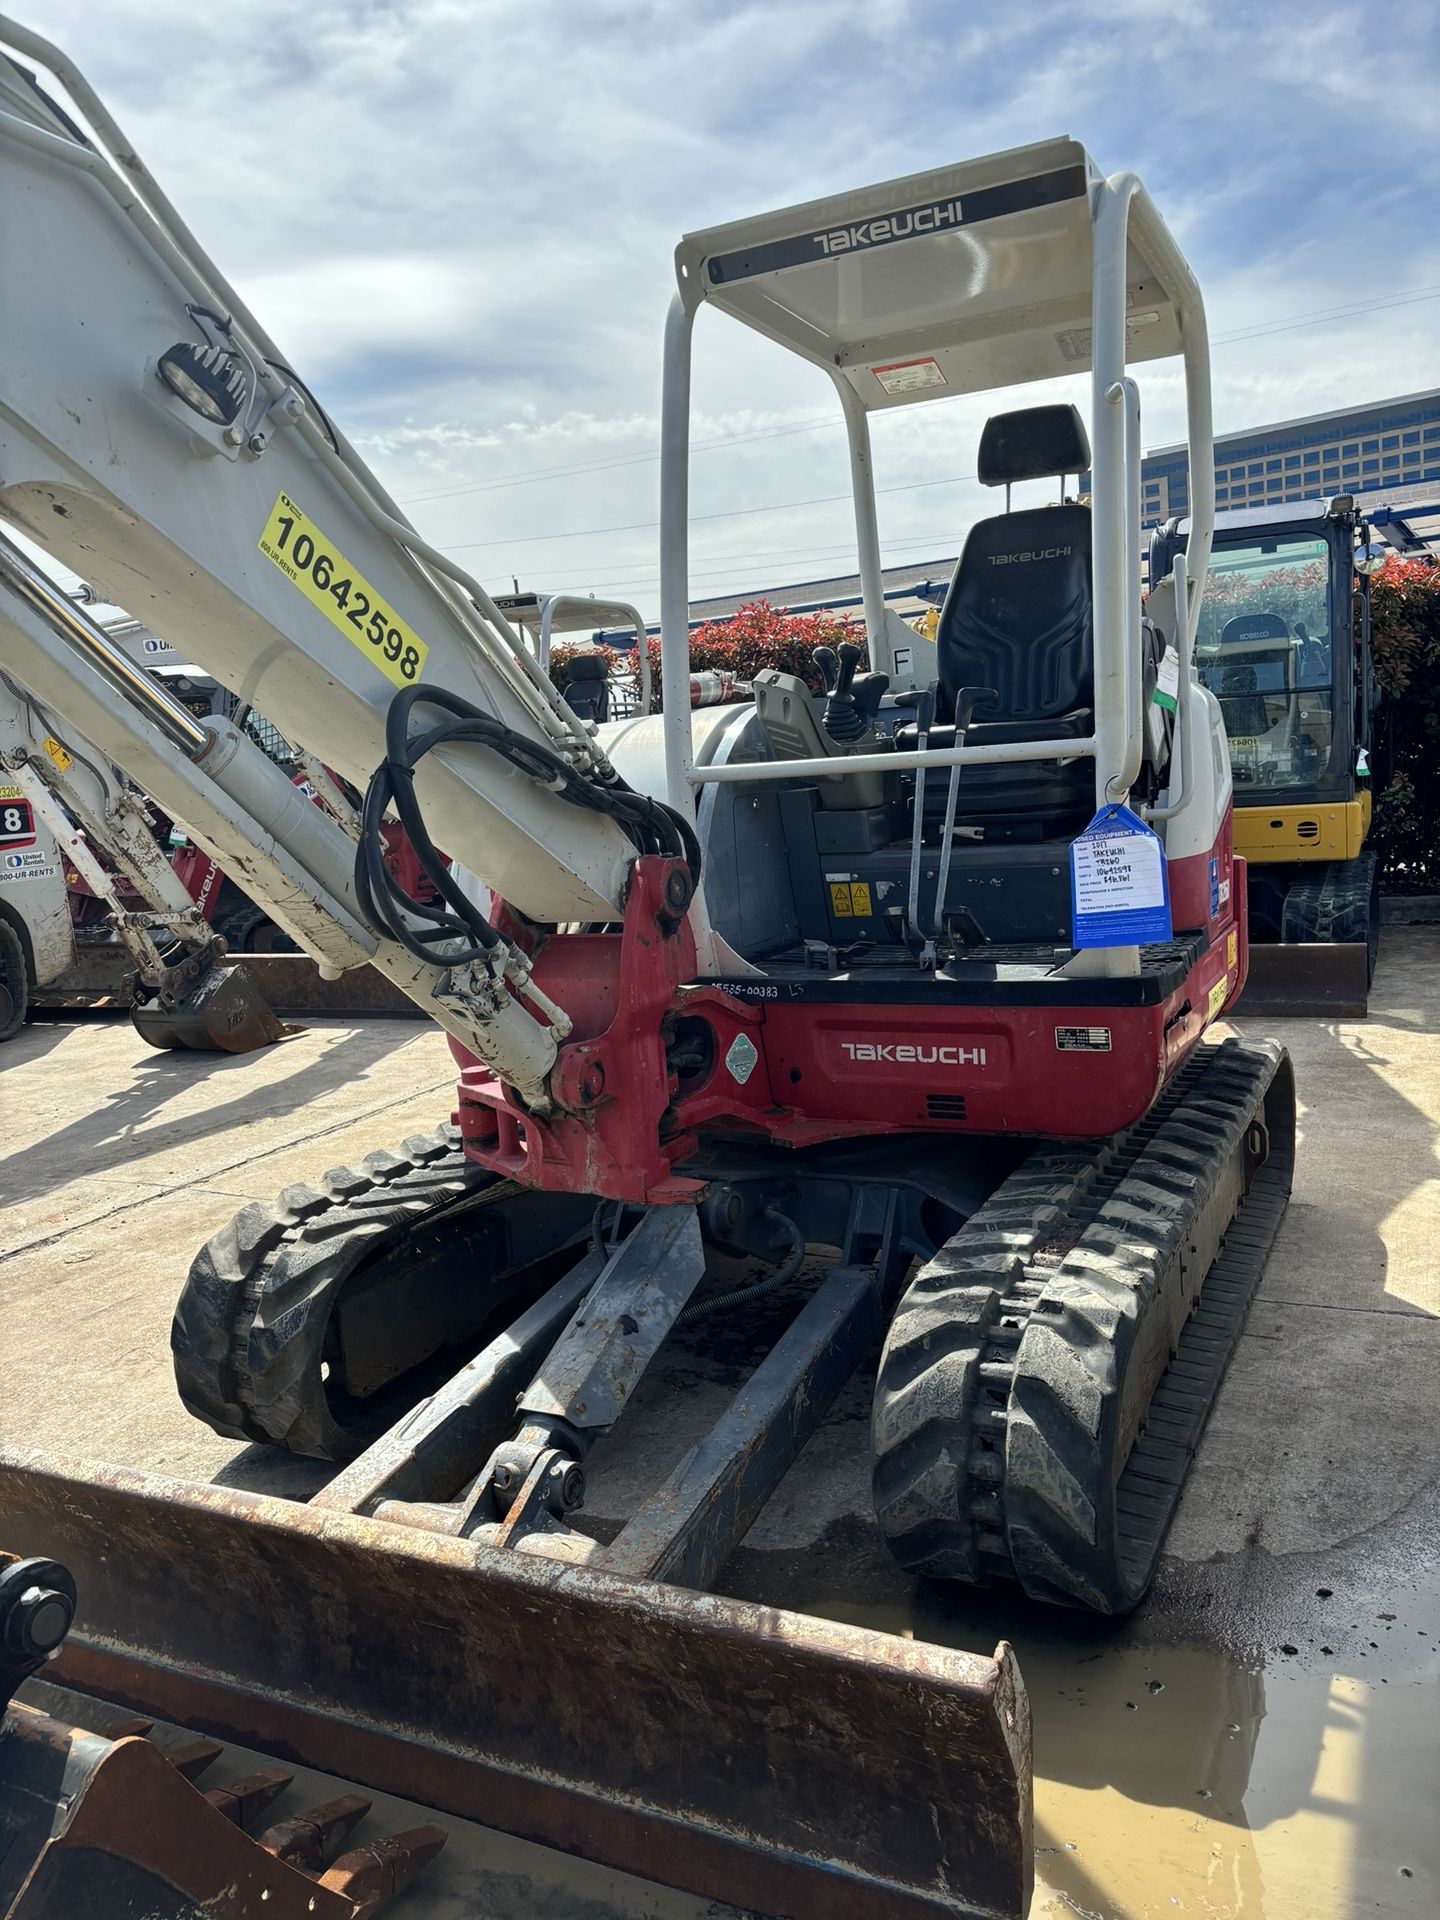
(784, 1764)
(1309, 980)
(100, 1828)
(225, 1012)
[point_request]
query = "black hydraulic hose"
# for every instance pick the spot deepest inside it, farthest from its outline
(758, 1289)
(651, 826)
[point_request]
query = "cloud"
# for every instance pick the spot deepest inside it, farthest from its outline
(458, 217)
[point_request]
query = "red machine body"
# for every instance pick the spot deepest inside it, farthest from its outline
(795, 1062)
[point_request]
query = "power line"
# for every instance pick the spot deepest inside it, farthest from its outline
(807, 554)
(1351, 311)
(818, 424)
(1401, 297)
(730, 513)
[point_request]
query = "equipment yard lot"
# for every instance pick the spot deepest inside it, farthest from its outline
(1260, 1739)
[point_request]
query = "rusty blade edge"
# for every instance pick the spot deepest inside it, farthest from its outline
(915, 1759)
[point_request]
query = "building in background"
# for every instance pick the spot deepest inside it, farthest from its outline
(1372, 451)
(1386, 453)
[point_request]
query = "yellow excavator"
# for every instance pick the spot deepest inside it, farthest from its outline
(1284, 644)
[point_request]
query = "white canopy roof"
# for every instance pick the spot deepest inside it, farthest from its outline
(956, 281)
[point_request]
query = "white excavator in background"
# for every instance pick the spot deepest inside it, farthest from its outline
(65, 809)
(920, 970)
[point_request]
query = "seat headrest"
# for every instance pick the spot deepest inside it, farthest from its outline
(1033, 443)
(1253, 629)
(586, 666)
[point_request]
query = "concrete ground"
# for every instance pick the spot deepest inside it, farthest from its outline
(1261, 1739)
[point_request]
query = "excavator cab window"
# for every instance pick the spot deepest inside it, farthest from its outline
(1264, 650)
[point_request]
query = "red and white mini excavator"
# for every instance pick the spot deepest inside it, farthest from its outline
(904, 986)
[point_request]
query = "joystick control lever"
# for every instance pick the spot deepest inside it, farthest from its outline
(842, 719)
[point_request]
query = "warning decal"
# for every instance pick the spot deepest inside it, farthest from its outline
(849, 899)
(910, 376)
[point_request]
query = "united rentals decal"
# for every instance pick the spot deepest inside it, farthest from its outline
(926, 218)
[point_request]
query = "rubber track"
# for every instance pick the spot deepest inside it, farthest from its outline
(1335, 904)
(1003, 1376)
(248, 1333)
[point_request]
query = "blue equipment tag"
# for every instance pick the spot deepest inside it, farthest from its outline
(1119, 886)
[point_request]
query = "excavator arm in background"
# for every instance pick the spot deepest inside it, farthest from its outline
(182, 992)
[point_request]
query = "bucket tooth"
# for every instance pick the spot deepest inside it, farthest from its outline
(372, 1876)
(242, 1801)
(192, 1759)
(308, 1839)
(133, 1727)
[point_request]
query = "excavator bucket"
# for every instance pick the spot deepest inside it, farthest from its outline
(783, 1764)
(98, 1827)
(224, 1012)
(1322, 980)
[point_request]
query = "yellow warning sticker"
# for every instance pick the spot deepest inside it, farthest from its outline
(322, 573)
(850, 899)
(1217, 998)
(1232, 951)
(57, 753)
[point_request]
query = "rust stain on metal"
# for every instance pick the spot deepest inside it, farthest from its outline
(103, 1826)
(743, 1753)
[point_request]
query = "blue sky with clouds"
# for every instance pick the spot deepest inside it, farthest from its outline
(458, 216)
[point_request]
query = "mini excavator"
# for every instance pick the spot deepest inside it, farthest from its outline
(904, 987)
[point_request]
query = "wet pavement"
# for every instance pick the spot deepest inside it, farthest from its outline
(1260, 1739)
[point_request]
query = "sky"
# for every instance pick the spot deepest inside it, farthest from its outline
(458, 219)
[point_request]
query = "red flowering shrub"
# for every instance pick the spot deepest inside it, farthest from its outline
(758, 636)
(1405, 640)
(564, 651)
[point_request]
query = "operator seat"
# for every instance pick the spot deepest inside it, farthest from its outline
(587, 690)
(1019, 618)
(1248, 642)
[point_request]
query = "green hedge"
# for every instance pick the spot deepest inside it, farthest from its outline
(1405, 636)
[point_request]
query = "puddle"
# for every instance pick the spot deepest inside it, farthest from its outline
(1175, 1777)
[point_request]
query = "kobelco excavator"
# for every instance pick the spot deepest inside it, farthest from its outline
(1284, 644)
(904, 987)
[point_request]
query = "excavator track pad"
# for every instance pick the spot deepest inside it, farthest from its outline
(1048, 1374)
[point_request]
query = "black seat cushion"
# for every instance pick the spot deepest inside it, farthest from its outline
(1061, 793)
(1018, 617)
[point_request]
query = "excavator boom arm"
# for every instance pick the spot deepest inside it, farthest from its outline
(172, 457)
